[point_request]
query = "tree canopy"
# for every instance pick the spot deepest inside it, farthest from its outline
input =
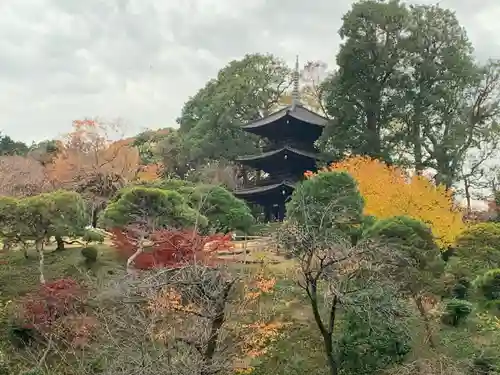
(244, 90)
(150, 209)
(408, 89)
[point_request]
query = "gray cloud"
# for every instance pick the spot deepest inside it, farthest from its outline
(141, 59)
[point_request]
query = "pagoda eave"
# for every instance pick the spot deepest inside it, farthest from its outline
(281, 159)
(298, 112)
(261, 194)
(289, 122)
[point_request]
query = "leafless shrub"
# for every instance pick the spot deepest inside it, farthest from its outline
(22, 176)
(168, 321)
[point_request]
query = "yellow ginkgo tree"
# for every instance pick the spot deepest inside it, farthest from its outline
(389, 191)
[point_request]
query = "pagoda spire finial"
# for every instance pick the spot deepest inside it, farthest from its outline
(296, 92)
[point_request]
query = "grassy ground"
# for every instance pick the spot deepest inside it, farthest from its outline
(297, 350)
(20, 275)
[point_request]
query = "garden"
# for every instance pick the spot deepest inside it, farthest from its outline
(132, 255)
(161, 287)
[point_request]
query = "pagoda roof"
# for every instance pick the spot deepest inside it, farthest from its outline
(261, 192)
(307, 154)
(305, 118)
(285, 158)
(298, 112)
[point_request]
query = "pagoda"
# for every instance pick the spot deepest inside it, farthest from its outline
(289, 152)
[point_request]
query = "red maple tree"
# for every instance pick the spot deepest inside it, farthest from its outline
(171, 248)
(51, 301)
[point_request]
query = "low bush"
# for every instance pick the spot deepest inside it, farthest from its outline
(33, 371)
(456, 312)
(40, 309)
(20, 336)
(91, 235)
(90, 253)
(489, 284)
(477, 250)
(375, 333)
(461, 289)
(225, 212)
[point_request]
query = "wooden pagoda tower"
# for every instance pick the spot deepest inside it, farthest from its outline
(291, 133)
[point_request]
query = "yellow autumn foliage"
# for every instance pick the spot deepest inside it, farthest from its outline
(389, 191)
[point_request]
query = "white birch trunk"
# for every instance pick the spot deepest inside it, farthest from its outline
(130, 261)
(41, 258)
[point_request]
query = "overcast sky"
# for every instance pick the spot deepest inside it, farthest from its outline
(139, 60)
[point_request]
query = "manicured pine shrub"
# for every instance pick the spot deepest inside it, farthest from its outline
(90, 253)
(456, 312)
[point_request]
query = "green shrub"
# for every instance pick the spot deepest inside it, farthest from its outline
(225, 212)
(19, 336)
(488, 285)
(461, 289)
(4, 368)
(90, 254)
(421, 263)
(404, 231)
(375, 332)
(327, 201)
(456, 312)
(91, 235)
(477, 250)
(157, 207)
(216, 208)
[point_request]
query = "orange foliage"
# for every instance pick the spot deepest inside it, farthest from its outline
(255, 337)
(149, 172)
(258, 287)
(169, 300)
(169, 312)
(262, 335)
(389, 191)
(89, 151)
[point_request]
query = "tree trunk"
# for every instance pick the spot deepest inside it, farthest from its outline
(41, 257)
(60, 243)
(445, 174)
(332, 363)
(423, 314)
(139, 251)
(417, 148)
(467, 194)
(326, 333)
(95, 217)
(212, 342)
(216, 326)
(373, 147)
